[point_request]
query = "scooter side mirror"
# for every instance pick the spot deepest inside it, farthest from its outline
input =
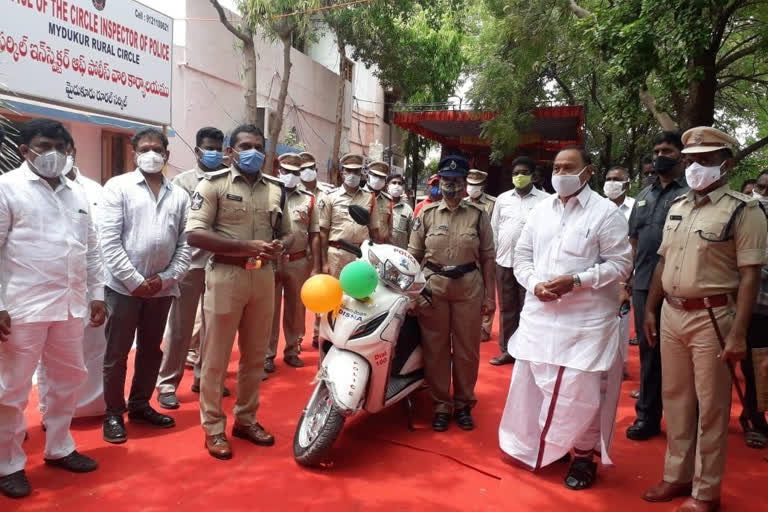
(359, 214)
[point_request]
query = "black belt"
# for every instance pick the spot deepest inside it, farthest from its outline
(451, 271)
(715, 301)
(346, 246)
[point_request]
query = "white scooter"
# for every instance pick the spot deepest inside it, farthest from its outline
(371, 351)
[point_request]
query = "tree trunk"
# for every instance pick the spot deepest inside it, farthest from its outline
(250, 82)
(699, 110)
(277, 125)
(333, 172)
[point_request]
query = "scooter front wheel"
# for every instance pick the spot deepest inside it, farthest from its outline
(318, 428)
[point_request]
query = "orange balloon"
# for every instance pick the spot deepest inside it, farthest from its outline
(321, 293)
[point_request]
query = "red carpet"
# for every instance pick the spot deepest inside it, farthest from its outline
(379, 465)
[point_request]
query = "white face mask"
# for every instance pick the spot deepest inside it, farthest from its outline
(474, 191)
(376, 182)
(352, 180)
(150, 162)
(289, 180)
(700, 177)
(308, 175)
(613, 189)
(395, 190)
(50, 164)
(567, 185)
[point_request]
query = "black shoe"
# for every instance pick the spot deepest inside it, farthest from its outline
(581, 475)
(15, 485)
(440, 421)
(151, 417)
(269, 365)
(168, 400)
(502, 359)
(225, 392)
(294, 361)
(642, 430)
(315, 342)
(113, 430)
(74, 462)
(464, 419)
(634, 341)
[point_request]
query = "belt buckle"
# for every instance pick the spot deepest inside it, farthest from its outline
(253, 264)
(449, 268)
(676, 301)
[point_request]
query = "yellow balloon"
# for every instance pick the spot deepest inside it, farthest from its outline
(321, 293)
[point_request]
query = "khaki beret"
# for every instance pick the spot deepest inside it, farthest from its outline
(352, 161)
(476, 177)
(379, 168)
(704, 139)
(290, 161)
(307, 159)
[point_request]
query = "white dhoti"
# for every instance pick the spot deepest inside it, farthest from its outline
(553, 409)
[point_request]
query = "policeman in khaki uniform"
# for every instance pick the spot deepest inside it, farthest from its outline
(708, 276)
(319, 189)
(452, 237)
(337, 229)
(402, 213)
(237, 215)
(293, 267)
(476, 181)
(378, 172)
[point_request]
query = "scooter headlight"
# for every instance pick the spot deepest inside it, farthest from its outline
(394, 277)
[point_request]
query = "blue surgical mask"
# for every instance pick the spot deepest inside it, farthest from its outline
(434, 192)
(211, 159)
(250, 161)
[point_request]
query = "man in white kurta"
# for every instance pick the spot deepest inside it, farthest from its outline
(49, 264)
(90, 396)
(571, 257)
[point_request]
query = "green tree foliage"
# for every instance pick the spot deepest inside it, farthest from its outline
(638, 65)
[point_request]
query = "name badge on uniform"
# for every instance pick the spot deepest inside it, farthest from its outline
(234, 197)
(642, 202)
(675, 217)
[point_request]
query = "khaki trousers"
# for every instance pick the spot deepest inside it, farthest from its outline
(179, 331)
(450, 330)
(236, 301)
(692, 375)
(338, 259)
(289, 278)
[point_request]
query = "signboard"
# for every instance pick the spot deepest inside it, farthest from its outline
(111, 56)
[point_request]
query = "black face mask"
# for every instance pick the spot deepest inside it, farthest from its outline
(663, 165)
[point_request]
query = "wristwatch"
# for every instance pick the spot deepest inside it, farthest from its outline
(576, 281)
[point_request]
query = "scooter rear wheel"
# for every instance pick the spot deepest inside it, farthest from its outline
(318, 428)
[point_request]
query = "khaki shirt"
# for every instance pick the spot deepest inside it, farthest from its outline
(334, 215)
(302, 211)
(384, 205)
(485, 201)
(230, 206)
(188, 180)
(700, 258)
(452, 237)
(402, 220)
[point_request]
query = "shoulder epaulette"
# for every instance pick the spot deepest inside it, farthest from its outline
(429, 206)
(678, 198)
(491, 198)
(387, 196)
(216, 174)
(273, 180)
(307, 192)
(749, 200)
(473, 205)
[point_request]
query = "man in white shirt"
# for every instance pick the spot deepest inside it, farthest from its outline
(90, 396)
(511, 211)
(571, 257)
(50, 264)
(145, 255)
(615, 188)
